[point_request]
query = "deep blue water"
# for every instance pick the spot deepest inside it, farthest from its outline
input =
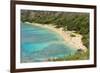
(39, 44)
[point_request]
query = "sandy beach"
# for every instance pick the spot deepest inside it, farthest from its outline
(75, 41)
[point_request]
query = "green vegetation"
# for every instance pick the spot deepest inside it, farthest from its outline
(76, 56)
(72, 35)
(78, 22)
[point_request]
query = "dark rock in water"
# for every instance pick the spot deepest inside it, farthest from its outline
(80, 50)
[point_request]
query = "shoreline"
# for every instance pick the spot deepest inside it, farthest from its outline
(75, 41)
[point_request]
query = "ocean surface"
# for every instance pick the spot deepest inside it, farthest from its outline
(39, 44)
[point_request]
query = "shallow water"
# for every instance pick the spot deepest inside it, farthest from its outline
(40, 44)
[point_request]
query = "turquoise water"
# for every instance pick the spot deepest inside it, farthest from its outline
(40, 44)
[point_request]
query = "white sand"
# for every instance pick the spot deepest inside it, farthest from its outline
(74, 41)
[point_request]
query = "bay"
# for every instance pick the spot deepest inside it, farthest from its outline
(40, 44)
